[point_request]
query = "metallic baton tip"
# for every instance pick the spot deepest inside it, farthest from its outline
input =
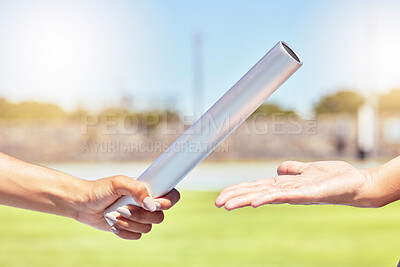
(291, 52)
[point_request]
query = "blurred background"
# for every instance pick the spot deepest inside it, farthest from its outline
(98, 88)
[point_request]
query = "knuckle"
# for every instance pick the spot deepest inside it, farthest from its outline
(122, 224)
(168, 205)
(140, 186)
(117, 179)
(139, 215)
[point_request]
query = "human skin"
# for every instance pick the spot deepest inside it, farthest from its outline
(38, 188)
(323, 182)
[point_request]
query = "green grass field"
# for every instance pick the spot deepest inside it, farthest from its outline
(195, 233)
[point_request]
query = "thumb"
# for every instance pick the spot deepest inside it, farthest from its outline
(291, 168)
(127, 186)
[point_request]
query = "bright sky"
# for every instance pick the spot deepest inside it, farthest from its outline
(91, 52)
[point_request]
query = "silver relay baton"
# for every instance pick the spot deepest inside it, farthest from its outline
(234, 107)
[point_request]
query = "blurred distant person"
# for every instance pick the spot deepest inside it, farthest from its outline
(314, 183)
(38, 188)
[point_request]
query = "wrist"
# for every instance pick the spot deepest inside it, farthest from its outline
(364, 195)
(386, 184)
(71, 196)
(378, 190)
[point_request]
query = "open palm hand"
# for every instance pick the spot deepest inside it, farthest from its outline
(324, 182)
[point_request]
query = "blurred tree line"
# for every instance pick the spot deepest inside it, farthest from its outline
(271, 109)
(348, 101)
(345, 101)
(31, 111)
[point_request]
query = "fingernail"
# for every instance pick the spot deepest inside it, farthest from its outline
(111, 217)
(114, 230)
(124, 212)
(158, 205)
(149, 204)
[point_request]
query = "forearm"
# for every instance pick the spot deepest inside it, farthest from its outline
(386, 182)
(33, 187)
